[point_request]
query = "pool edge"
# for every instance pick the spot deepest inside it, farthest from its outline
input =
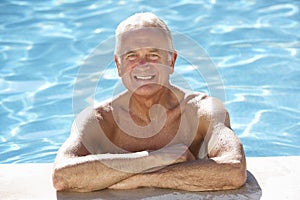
(278, 178)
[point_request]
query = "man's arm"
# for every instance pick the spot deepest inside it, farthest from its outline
(94, 172)
(225, 167)
(75, 169)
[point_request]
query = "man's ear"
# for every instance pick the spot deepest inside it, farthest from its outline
(173, 60)
(118, 65)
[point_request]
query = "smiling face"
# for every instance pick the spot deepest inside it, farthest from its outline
(145, 61)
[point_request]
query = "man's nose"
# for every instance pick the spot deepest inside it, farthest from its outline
(142, 60)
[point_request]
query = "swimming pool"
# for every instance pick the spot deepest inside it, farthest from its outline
(255, 46)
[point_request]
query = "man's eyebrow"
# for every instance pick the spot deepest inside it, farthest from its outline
(134, 51)
(128, 52)
(154, 50)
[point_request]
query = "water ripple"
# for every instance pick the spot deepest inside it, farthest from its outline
(254, 44)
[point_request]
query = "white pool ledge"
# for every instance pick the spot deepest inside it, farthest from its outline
(269, 178)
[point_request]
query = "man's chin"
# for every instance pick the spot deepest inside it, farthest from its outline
(147, 89)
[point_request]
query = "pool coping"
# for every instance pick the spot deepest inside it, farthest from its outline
(268, 178)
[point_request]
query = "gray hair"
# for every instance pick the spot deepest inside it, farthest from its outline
(138, 21)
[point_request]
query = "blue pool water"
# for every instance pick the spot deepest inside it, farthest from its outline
(254, 45)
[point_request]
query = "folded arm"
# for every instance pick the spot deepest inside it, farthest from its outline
(96, 172)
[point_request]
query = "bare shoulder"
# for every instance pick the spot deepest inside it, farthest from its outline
(85, 137)
(209, 108)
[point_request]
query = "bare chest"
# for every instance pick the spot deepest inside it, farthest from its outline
(131, 137)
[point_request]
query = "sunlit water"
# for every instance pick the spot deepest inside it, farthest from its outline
(255, 46)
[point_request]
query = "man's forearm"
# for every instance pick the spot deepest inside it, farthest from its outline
(198, 175)
(95, 172)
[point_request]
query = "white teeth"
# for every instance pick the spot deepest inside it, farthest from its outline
(144, 77)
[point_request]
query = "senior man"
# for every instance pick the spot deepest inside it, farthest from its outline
(154, 134)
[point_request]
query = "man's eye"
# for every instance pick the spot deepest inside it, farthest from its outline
(153, 56)
(131, 56)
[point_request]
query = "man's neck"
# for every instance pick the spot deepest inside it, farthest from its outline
(139, 106)
(146, 102)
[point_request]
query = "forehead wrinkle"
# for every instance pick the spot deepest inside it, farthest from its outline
(144, 39)
(148, 49)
